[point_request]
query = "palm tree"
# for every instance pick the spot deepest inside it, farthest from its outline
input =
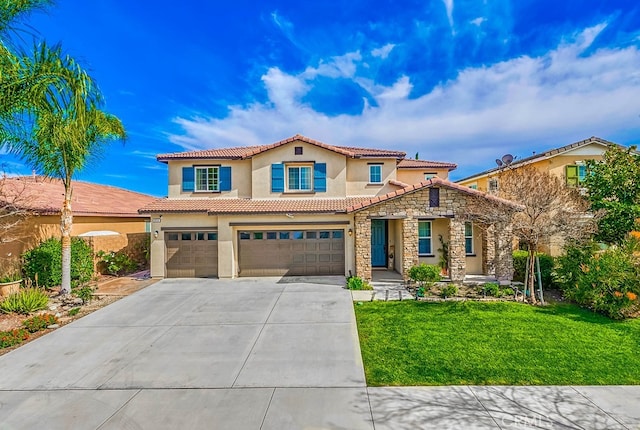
(50, 114)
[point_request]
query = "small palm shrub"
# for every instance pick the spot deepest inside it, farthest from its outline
(39, 322)
(43, 264)
(25, 301)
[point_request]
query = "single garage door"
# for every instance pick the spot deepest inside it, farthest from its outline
(191, 254)
(291, 252)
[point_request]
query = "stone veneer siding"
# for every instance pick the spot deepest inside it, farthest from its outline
(412, 207)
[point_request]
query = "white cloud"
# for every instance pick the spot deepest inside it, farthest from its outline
(520, 105)
(478, 21)
(448, 4)
(384, 51)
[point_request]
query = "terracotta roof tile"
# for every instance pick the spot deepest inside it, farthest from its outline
(427, 184)
(245, 206)
(243, 152)
(46, 196)
(407, 163)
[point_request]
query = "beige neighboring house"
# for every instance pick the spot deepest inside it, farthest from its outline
(567, 162)
(105, 214)
(303, 207)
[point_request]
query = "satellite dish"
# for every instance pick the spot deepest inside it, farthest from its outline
(507, 159)
(499, 162)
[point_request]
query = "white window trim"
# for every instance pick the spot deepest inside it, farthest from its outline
(426, 237)
(196, 183)
(371, 181)
(429, 175)
(495, 188)
(469, 237)
(298, 166)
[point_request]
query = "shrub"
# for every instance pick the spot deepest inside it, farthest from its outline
(425, 274)
(25, 301)
(607, 282)
(73, 312)
(449, 290)
(116, 263)
(492, 289)
(13, 337)
(357, 283)
(39, 322)
(85, 293)
(43, 264)
(570, 264)
(547, 264)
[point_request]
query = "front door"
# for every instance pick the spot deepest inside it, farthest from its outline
(378, 243)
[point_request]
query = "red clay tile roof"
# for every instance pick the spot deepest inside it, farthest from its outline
(426, 184)
(398, 183)
(408, 163)
(46, 196)
(243, 152)
(545, 154)
(248, 206)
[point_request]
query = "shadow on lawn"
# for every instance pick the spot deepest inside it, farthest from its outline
(575, 313)
(485, 407)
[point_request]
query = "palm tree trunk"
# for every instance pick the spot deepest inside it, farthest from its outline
(66, 223)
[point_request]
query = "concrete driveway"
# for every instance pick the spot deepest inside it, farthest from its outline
(256, 354)
(238, 354)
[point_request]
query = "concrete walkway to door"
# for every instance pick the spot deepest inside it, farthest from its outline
(255, 354)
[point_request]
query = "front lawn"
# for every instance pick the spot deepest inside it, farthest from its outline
(501, 343)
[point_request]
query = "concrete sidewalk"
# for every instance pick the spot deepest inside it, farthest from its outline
(262, 353)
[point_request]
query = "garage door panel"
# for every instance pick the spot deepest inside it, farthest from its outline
(191, 255)
(294, 252)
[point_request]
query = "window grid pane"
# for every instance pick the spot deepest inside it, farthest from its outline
(468, 238)
(375, 174)
(305, 178)
(424, 237)
(207, 178)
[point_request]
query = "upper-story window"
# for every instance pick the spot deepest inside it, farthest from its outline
(207, 178)
(493, 185)
(375, 173)
(299, 178)
(575, 174)
(428, 176)
(468, 238)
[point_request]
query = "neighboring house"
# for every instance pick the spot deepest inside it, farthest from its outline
(303, 207)
(107, 214)
(567, 162)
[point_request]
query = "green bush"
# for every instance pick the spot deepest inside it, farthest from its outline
(425, 274)
(85, 293)
(43, 264)
(607, 282)
(492, 289)
(116, 263)
(449, 290)
(39, 322)
(25, 301)
(13, 337)
(357, 283)
(73, 312)
(547, 264)
(569, 265)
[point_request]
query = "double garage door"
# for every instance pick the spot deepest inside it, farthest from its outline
(291, 252)
(191, 254)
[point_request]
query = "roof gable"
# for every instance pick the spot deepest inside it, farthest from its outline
(244, 152)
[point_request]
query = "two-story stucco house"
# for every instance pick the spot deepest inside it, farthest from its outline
(303, 207)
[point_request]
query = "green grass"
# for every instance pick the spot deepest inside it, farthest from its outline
(450, 343)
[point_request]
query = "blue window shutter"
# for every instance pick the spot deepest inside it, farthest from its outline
(277, 178)
(187, 179)
(225, 178)
(320, 177)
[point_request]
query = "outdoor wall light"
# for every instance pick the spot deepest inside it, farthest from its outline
(350, 232)
(155, 234)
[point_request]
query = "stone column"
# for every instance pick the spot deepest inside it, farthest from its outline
(457, 254)
(409, 245)
(488, 250)
(504, 252)
(363, 245)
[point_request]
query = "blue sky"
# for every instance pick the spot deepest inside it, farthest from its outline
(461, 81)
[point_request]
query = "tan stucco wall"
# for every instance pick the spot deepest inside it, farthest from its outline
(228, 235)
(413, 176)
(358, 177)
(35, 230)
(261, 168)
(240, 178)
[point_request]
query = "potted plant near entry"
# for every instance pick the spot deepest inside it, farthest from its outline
(444, 256)
(10, 282)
